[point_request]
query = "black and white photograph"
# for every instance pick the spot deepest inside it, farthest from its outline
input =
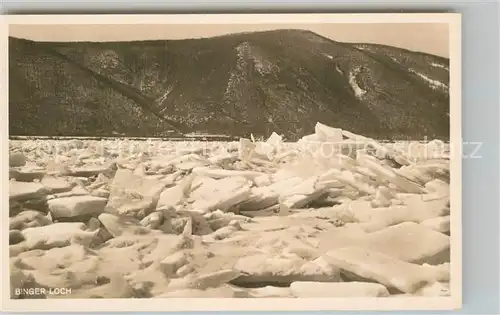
(233, 162)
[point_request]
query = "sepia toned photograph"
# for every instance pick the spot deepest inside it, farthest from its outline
(233, 162)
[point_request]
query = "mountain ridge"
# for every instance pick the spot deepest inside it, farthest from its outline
(237, 84)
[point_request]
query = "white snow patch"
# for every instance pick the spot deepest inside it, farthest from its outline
(338, 69)
(437, 65)
(164, 96)
(362, 47)
(328, 56)
(434, 84)
(234, 77)
(262, 65)
(394, 59)
(358, 91)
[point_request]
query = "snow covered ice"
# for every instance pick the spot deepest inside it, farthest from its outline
(334, 214)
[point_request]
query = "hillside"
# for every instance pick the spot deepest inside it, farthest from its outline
(283, 81)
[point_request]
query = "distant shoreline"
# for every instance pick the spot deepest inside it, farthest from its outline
(187, 138)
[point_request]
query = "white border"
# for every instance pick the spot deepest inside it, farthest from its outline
(268, 304)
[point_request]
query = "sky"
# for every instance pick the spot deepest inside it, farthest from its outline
(432, 38)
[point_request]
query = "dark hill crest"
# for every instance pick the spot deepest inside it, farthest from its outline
(283, 81)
